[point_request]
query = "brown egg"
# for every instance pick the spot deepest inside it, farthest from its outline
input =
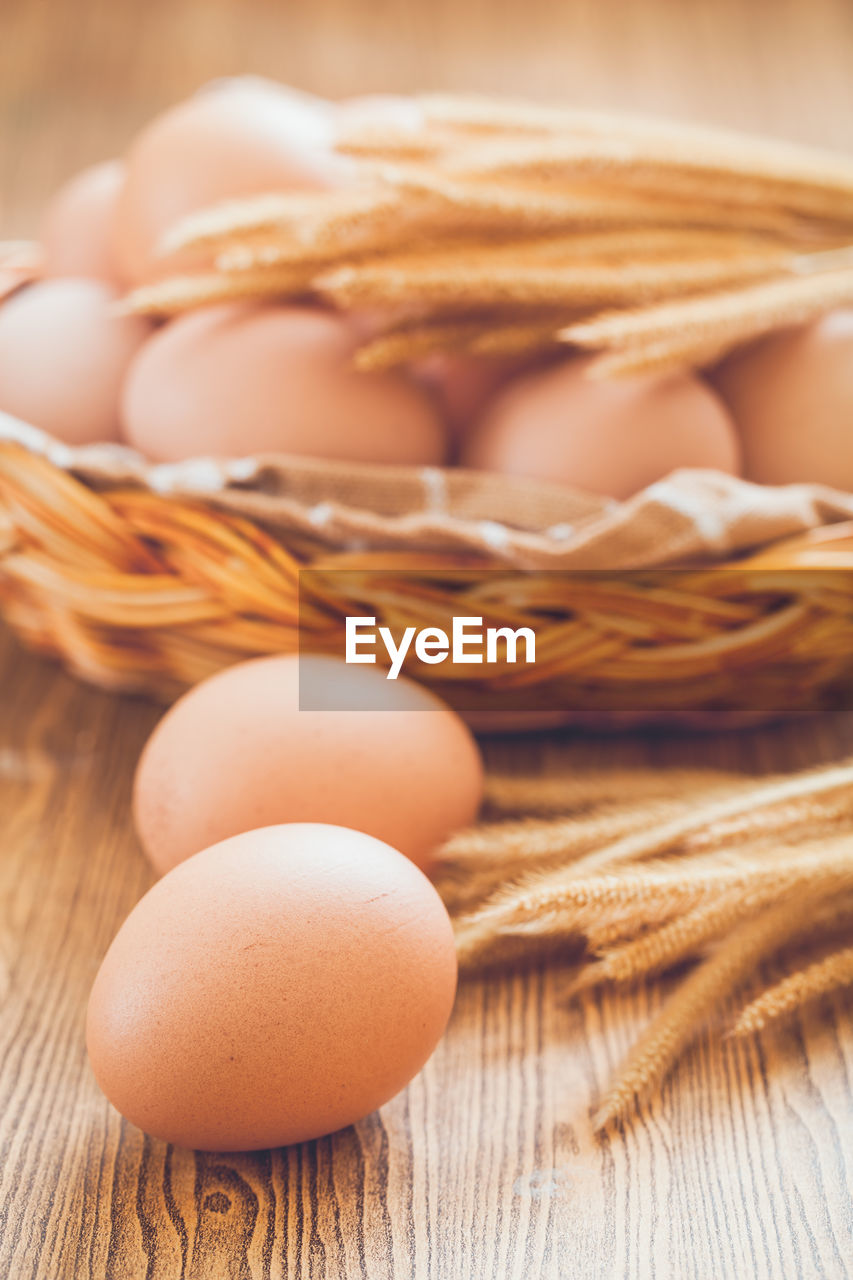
(63, 356)
(236, 752)
(272, 989)
(609, 437)
(241, 379)
(791, 396)
(77, 228)
(465, 384)
(243, 137)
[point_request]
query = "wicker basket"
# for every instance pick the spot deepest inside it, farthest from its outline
(700, 240)
(149, 592)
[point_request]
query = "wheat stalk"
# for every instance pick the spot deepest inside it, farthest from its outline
(687, 1010)
(474, 864)
(447, 114)
(185, 293)
(685, 937)
(810, 186)
(462, 286)
(590, 905)
(815, 785)
(698, 330)
(636, 872)
(672, 243)
(796, 990)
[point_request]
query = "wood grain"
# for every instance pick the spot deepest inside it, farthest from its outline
(485, 1168)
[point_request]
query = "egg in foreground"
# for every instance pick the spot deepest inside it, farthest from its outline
(274, 988)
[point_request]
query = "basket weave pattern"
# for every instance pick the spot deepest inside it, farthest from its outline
(141, 591)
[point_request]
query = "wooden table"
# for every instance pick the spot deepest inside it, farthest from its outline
(486, 1166)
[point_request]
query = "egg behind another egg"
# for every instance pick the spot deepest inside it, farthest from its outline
(791, 396)
(241, 379)
(77, 227)
(611, 437)
(239, 138)
(236, 751)
(464, 384)
(272, 989)
(64, 353)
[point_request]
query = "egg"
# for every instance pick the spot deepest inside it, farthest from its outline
(76, 231)
(611, 437)
(464, 384)
(241, 379)
(244, 137)
(272, 989)
(63, 355)
(791, 396)
(236, 752)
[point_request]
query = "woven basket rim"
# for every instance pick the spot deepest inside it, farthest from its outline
(145, 591)
(819, 515)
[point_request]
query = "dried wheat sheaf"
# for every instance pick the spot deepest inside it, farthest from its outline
(500, 227)
(633, 873)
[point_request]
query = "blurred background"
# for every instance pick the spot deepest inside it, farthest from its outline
(77, 78)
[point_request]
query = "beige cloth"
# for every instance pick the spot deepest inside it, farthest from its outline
(689, 516)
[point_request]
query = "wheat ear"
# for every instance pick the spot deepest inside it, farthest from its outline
(184, 293)
(818, 782)
(686, 1011)
(684, 938)
(788, 996)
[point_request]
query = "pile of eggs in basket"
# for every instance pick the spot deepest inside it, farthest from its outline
(237, 379)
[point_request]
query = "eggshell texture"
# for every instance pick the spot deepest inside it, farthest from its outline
(63, 355)
(239, 379)
(611, 437)
(791, 396)
(272, 989)
(77, 229)
(235, 752)
(245, 137)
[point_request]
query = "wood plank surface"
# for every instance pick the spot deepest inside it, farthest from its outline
(486, 1166)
